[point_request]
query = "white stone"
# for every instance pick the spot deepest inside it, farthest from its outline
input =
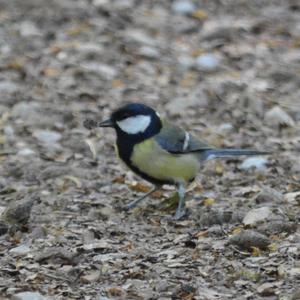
(276, 116)
(29, 296)
(254, 162)
(183, 7)
(8, 87)
(21, 250)
(26, 152)
(225, 128)
(148, 52)
(25, 110)
(292, 197)
(140, 37)
(186, 62)
(29, 29)
(105, 71)
(207, 62)
(257, 215)
(47, 136)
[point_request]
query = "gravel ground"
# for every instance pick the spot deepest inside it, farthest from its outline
(226, 70)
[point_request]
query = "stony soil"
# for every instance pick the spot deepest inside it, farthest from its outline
(226, 70)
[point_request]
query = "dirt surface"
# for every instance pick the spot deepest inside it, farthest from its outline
(226, 70)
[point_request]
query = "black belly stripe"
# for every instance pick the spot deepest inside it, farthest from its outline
(125, 150)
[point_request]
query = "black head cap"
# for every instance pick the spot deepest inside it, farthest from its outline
(143, 120)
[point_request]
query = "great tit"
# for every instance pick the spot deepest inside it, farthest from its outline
(159, 151)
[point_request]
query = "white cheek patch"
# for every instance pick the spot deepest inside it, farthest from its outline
(136, 124)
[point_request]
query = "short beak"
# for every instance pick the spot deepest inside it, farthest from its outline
(106, 123)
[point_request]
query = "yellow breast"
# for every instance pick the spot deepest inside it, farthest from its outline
(160, 164)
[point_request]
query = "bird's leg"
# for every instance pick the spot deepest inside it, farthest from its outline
(180, 211)
(135, 202)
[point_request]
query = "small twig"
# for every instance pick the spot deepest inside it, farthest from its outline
(239, 251)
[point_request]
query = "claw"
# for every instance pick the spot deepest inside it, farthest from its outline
(128, 206)
(179, 214)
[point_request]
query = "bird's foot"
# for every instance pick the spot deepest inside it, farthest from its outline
(179, 215)
(129, 206)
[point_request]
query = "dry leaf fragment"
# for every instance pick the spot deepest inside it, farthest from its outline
(139, 187)
(256, 251)
(292, 197)
(90, 124)
(50, 72)
(16, 63)
(267, 289)
(74, 179)
(209, 201)
(91, 144)
(115, 292)
(117, 83)
(276, 116)
(199, 14)
(91, 277)
(97, 245)
(119, 179)
(237, 230)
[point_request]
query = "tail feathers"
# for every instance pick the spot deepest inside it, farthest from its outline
(215, 153)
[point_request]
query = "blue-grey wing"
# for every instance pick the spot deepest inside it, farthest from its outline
(177, 141)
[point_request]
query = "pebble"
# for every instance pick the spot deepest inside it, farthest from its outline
(248, 239)
(47, 136)
(123, 4)
(20, 250)
(9, 133)
(18, 212)
(269, 195)
(29, 296)
(29, 29)
(149, 52)
(103, 298)
(2, 209)
(183, 7)
(293, 197)
(276, 116)
(197, 98)
(105, 71)
(108, 257)
(139, 37)
(26, 152)
(225, 128)
(186, 62)
(266, 289)
(93, 276)
(8, 87)
(277, 226)
(207, 62)
(257, 215)
(100, 3)
(90, 48)
(254, 162)
(25, 110)
(296, 294)
(218, 30)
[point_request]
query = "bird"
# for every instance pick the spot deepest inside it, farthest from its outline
(159, 151)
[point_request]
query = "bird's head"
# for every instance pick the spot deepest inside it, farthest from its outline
(134, 119)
